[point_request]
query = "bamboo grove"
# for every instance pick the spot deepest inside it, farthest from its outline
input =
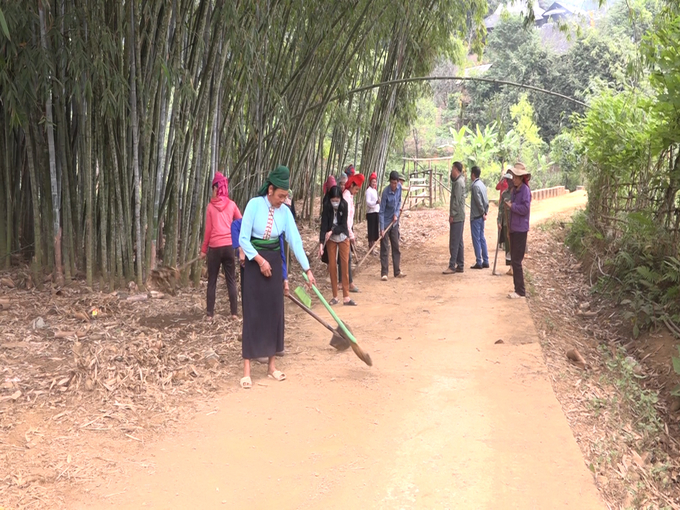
(116, 114)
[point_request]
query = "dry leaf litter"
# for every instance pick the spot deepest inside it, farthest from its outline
(81, 370)
(581, 335)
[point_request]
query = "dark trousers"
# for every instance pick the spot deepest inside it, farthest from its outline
(456, 249)
(518, 246)
(373, 227)
(505, 239)
(390, 238)
(224, 257)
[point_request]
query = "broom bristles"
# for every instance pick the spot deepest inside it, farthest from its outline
(363, 356)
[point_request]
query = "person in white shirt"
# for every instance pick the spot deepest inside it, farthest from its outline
(352, 187)
(373, 210)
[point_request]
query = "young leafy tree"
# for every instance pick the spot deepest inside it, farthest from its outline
(567, 155)
(517, 53)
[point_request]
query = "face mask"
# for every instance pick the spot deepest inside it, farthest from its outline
(335, 204)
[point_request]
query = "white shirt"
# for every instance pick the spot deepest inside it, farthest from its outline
(372, 204)
(350, 212)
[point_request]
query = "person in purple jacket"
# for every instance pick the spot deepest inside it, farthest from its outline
(519, 207)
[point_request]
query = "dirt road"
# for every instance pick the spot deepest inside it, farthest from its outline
(445, 418)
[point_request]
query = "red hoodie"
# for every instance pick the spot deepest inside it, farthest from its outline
(221, 212)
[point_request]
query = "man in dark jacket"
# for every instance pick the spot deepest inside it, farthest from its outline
(456, 219)
(479, 208)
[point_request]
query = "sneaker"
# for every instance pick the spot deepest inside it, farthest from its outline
(485, 265)
(459, 269)
(476, 266)
(514, 295)
(384, 277)
(448, 270)
(400, 275)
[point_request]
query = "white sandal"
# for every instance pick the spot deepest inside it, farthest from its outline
(278, 375)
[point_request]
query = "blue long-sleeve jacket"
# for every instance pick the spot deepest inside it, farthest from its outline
(390, 203)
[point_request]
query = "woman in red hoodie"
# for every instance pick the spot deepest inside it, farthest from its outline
(221, 212)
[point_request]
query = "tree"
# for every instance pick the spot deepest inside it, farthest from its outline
(114, 115)
(518, 54)
(567, 155)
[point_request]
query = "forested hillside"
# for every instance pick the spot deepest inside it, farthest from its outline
(488, 124)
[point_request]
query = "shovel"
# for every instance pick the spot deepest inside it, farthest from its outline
(337, 341)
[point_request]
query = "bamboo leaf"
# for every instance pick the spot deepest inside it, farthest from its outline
(3, 25)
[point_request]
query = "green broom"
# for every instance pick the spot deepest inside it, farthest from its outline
(363, 356)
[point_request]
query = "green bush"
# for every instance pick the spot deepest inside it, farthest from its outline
(580, 233)
(635, 267)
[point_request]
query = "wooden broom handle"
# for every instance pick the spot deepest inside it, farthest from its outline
(181, 268)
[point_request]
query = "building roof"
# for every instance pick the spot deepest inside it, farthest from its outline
(561, 9)
(516, 7)
(556, 12)
(477, 70)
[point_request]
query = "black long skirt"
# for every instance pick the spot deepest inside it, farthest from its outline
(263, 319)
(373, 227)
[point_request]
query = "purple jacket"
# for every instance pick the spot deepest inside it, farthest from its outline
(519, 211)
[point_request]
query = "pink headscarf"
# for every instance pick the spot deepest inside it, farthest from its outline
(222, 185)
(330, 182)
